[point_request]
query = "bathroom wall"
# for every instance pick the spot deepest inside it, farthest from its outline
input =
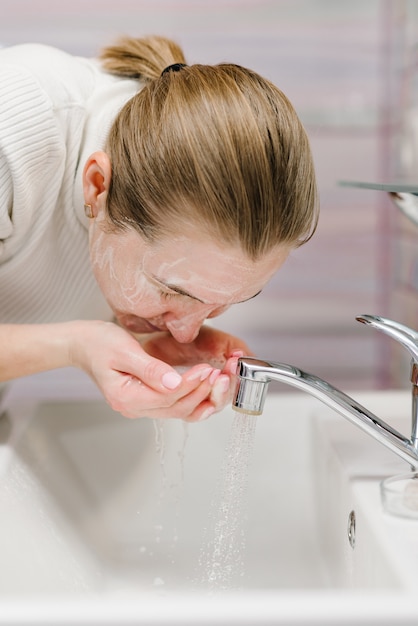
(349, 69)
(404, 300)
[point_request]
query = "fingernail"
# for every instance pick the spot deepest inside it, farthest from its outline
(201, 374)
(232, 366)
(209, 411)
(206, 373)
(222, 384)
(171, 380)
(237, 353)
(214, 376)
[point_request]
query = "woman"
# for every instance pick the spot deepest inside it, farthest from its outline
(196, 182)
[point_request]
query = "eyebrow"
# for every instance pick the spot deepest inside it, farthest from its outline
(183, 292)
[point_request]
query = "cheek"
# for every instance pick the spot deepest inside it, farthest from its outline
(218, 311)
(191, 313)
(122, 282)
(134, 294)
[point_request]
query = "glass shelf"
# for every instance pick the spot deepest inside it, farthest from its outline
(390, 186)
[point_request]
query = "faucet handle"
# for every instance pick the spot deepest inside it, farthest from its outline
(404, 335)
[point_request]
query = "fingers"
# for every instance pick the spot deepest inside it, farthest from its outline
(220, 392)
(133, 398)
(220, 395)
(204, 391)
(154, 373)
(205, 400)
(137, 384)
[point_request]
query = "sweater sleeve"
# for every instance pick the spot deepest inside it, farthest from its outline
(6, 201)
(32, 155)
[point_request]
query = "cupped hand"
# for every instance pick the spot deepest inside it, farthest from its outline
(212, 346)
(139, 381)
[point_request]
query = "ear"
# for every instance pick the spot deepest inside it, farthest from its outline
(97, 174)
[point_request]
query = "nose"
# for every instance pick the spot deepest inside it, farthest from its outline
(184, 333)
(186, 327)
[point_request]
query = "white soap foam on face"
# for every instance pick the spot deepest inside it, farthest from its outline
(128, 269)
(121, 277)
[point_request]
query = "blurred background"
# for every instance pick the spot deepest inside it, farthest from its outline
(351, 71)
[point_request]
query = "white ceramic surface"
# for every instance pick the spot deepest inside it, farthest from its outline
(102, 518)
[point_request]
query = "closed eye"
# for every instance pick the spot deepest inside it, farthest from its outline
(169, 295)
(173, 291)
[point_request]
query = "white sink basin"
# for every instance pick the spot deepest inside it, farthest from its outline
(103, 518)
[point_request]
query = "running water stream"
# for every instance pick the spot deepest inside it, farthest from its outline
(171, 487)
(221, 561)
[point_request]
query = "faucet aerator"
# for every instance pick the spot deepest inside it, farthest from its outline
(250, 396)
(252, 385)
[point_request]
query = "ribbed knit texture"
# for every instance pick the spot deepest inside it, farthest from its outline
(46, 124)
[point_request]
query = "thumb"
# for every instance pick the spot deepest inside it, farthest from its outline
(152, 372)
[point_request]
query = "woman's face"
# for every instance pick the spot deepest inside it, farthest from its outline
(176, 283)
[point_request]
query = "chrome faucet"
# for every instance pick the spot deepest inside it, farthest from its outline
(255, 374)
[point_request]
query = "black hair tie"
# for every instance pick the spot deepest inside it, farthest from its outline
(175, 67)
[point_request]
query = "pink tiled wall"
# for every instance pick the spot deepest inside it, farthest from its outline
(404, 293)
(348, 67)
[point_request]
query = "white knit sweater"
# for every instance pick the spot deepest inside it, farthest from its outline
(55, 110)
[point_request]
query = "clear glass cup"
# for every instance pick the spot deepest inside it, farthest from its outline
(400, 495)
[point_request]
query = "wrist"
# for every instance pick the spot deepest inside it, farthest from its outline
(76, 336)
(33, 348)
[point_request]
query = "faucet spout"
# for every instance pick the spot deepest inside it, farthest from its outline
(254, 375)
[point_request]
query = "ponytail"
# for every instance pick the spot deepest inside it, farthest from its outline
(142, 58)
(215, 146)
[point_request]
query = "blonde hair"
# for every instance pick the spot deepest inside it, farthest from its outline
(218, 147)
